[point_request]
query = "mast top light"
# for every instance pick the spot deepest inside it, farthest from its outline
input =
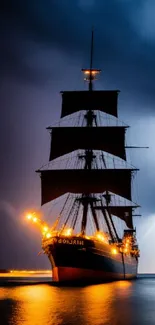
(90, 74)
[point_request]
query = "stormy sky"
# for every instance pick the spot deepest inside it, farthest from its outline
(44, 45)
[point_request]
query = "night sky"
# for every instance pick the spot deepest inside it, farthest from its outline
(44, 45)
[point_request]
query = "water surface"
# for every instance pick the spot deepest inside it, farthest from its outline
(35, 301)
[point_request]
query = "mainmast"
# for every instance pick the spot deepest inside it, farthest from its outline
(87, 199)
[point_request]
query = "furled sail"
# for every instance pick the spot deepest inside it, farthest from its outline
(67, 139)
(55, 183)
(102, 100)
(122, 212)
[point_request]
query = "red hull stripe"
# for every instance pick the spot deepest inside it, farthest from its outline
(62, 274)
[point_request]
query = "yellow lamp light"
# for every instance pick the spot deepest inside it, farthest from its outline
(100, 236)
(45, 228)
(48, 235)
(68, 232)
(114, 251)
(29, 216)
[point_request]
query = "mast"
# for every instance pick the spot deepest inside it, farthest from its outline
(91, 60)
(90, 74)
(90, 117)
(87, 199)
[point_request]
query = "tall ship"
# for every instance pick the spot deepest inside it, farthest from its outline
(93, 238)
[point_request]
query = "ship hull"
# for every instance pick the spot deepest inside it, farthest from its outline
(81, 260)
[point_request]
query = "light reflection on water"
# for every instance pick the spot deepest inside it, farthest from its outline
(117, 303)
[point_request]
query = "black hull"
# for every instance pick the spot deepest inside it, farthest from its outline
(78, 260)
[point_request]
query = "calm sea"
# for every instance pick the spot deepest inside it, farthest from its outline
(34, 301)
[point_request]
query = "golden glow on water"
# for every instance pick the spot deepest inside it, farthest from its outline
(43, 304)
(105, 297)
(25, 273)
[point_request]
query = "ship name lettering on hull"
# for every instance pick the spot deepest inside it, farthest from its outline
(71, 241)
(65, 241)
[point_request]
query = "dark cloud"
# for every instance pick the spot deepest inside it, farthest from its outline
(43, 47)
(120, 49)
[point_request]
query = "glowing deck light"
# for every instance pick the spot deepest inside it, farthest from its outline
(100, 236)
(29, 216)
(48, 235)
(67, 232)
(35, 219)
(45, 229)
(114, 251)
